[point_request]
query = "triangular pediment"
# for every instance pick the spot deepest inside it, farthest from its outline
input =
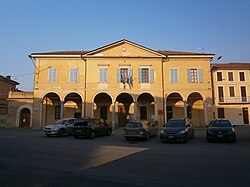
(124, 48)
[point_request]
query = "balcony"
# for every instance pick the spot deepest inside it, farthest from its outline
(233, 100)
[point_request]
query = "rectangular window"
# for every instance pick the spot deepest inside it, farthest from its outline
(219, 76)
(146, 75)
(52, 74)
(103, 75)
(243, 94)
(57, 112)
(221, 113)
(195, 75)
(231, 91)
(221, 94)
(73, 75)
(230, 76)
(242, 76)
(124, 74)
(174, 75)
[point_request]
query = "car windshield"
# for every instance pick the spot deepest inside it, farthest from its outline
(60, 122)
(134, 125)
(220, 123)
(82, 123)
(175, 123)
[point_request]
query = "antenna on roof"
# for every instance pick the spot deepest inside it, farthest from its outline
(202, 49)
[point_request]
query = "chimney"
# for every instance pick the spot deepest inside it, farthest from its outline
(8, 76)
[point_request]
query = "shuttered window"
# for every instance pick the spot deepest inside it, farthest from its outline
(195, 75)
(73, 75)
(174, 75)
(103, 75)
(146, 75)
(52, 74)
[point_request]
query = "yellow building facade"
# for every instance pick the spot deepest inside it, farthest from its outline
(231, 83)
(122, 81)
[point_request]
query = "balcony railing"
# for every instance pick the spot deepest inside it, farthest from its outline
(225, 100)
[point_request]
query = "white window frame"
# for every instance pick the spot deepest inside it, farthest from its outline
(228, 76)
(217, 76)
(229, 90)
(150, 75)
(199, 72)
(218, 96)
(244, 76)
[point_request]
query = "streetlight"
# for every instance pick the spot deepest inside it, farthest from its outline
(212, 82)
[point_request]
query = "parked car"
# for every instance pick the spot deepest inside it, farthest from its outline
(177, 130)
(91, 127)
(221, 130)
(60, 127)
(143, 130)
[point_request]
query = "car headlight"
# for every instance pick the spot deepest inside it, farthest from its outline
(54, 128)
(182, 132)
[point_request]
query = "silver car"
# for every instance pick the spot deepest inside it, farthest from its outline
(60, 127)
(142, 130)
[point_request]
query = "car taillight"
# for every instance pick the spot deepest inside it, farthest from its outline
(141, 130)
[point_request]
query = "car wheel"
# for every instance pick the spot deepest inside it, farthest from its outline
(61, 132)
(192, 136)
(92, 136)
(147, 136)
(109, 132)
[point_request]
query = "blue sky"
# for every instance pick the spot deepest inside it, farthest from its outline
(221, 27)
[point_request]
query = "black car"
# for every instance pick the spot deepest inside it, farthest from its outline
(144, 130)
(91, 127)
(220, 130)
(177, 130)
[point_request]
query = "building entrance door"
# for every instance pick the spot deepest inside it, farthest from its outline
(104, 112)
(24, 118)
(245, 115)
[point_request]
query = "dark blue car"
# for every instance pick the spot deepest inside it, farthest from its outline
(220, 130)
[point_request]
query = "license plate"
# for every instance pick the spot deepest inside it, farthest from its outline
(170, 136)
(220, 136)
(78, 130)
